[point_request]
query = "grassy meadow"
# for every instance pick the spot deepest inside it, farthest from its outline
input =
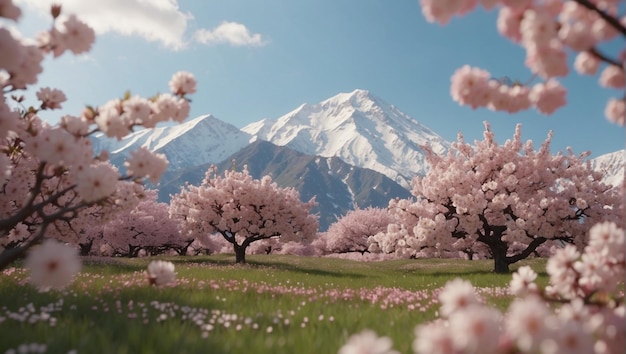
(273, 304)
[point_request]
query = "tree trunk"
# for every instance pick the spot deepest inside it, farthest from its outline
(501, 262)
(85, 248)
(240, 253)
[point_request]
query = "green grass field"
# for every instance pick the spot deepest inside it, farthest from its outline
(273, 304)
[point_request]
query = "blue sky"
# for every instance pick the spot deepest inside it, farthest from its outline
(294, 52)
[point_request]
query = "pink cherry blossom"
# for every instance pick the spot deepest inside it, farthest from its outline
(523, 281)
(577, 36)
(9, 10)
(144, 163)
(182, 111)
(5, 168)
(13, 52)
(548, 97)
(51, 98)
(489, 4)
(96, 182)
(76, 36)
(137, 110)
(602, 30)
(547, 61)
(28, 68)
(456, 295)
(477, 329)
(470, 86)
(442, 10)
(52, 265)
(367, 342)
(518, 5)
(165, 107)
(9, 121)
(56, 146)
(537, 28)
(161, 273)
(74, 125)
(586, 63)
(526, 322)
(433, 338)
(509, 23)
(568, 337)
(612, 76)
(183, 83)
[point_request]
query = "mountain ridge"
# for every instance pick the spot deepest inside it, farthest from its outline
(358, 127)
(210, 139)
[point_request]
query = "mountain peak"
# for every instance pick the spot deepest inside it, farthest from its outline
(359, 99)
(359, 128)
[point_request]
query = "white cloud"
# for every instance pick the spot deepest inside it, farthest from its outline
(232, 33)
(154, 20)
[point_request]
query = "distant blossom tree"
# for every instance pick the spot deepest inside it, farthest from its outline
(243, 210)
(49, 173)
(351, 232)
(146, 227)
(500, 196)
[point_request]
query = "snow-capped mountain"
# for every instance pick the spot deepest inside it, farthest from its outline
(202, 140)
(612, 166)
(359, 128)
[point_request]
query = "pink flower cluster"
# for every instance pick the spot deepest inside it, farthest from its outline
(545, 29)
(49, 174)
(161, 273)
(53, 265)
(591, 318)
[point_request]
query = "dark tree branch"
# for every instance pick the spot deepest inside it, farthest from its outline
(614, 22)
(9, 256)
(532, 246)
(596, 52)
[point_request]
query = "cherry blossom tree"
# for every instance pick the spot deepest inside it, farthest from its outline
(146, 227)
(351, 232)
(501, 196)
(243, 210)
(546, 29)
(49, 173)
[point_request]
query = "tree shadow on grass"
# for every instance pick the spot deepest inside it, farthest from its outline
(229, 261)
(113, 265)
(305, 270)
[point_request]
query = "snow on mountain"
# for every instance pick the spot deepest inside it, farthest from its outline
(359, 128)
(202, 140)
(612, 166)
